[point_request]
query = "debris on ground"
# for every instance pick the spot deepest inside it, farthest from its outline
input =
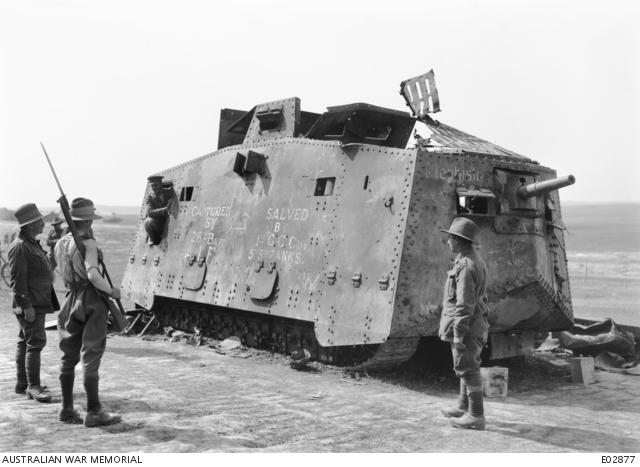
(177, 335)
(356, 377)
(230, 343)
(232, 346)
(603, 336)
(300, 358)
(196, 338)
(550, 344)
(609, 361)
(318, 395)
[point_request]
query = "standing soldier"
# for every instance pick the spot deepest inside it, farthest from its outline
(33, 298)
(82, 322)
(464, 322)
(158, 208)
(54, 235)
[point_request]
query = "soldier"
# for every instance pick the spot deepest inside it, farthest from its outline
(464, 322)
(82, 322)
(158, 208)
(54, 235)
(33, 298)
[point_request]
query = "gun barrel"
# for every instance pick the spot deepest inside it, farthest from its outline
(534, 189)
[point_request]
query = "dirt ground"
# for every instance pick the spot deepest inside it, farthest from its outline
(176, 397)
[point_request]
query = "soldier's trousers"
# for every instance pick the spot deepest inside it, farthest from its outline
(84, 341)
(466, 362)
(31, 340)
(155, 229)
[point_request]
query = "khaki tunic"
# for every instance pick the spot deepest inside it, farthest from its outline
(464, 315)
(31, 276)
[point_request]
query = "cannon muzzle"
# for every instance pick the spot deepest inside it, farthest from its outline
(534, 189)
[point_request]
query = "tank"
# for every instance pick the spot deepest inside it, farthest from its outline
(322, 231)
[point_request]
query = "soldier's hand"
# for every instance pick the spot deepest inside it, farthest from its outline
(100, 256)
(115, 293)
(29, 314)
(457, 343)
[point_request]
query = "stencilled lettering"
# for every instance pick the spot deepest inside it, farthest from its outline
(461, 175)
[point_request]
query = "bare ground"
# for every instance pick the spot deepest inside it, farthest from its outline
(178, 398)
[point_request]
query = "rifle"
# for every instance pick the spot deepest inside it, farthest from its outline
(116, 311)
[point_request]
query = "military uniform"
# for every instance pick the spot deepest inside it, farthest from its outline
(157, 204)
(464, 315)
(31, 288)
(52, 239)
(464, 322)
(82, 322)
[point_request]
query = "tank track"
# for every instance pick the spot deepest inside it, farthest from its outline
(276, 334)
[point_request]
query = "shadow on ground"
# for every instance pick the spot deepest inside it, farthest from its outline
(567, 437)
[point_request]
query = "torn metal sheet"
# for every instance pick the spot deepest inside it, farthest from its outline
(421, 94)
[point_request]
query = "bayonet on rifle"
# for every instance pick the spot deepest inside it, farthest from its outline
(116, 311)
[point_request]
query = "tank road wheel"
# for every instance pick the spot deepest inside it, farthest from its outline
(279, 335)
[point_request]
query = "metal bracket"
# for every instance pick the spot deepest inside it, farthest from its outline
(132, 258)
(388, 201)
(259, 265)
(156, 260)
(201, 261)
(356, 278)
(143, 259)
(383, 282)
(190, 259)
(331, 276)
(272, 267)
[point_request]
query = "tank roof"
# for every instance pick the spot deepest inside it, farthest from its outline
(445, 136)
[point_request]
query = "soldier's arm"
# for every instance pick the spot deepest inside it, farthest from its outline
(91, 265)
(153, 212)
(18, 261)
(156, 213)
(465, 300)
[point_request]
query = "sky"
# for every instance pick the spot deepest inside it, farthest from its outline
(118, 90)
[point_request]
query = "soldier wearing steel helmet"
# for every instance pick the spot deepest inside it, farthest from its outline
(464, 322)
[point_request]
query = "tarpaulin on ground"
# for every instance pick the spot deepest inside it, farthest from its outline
(604, 336)
(615, 363)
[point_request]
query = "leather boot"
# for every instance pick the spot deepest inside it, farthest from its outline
(69, 415)
(32, 366)
(100, 418)
(38, 394)
(21, 371)
(66, 388)
(92, 389)
(95, 416)
(474, 419)
(463, 404)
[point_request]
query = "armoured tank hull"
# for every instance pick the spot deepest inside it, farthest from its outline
(324, 232)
